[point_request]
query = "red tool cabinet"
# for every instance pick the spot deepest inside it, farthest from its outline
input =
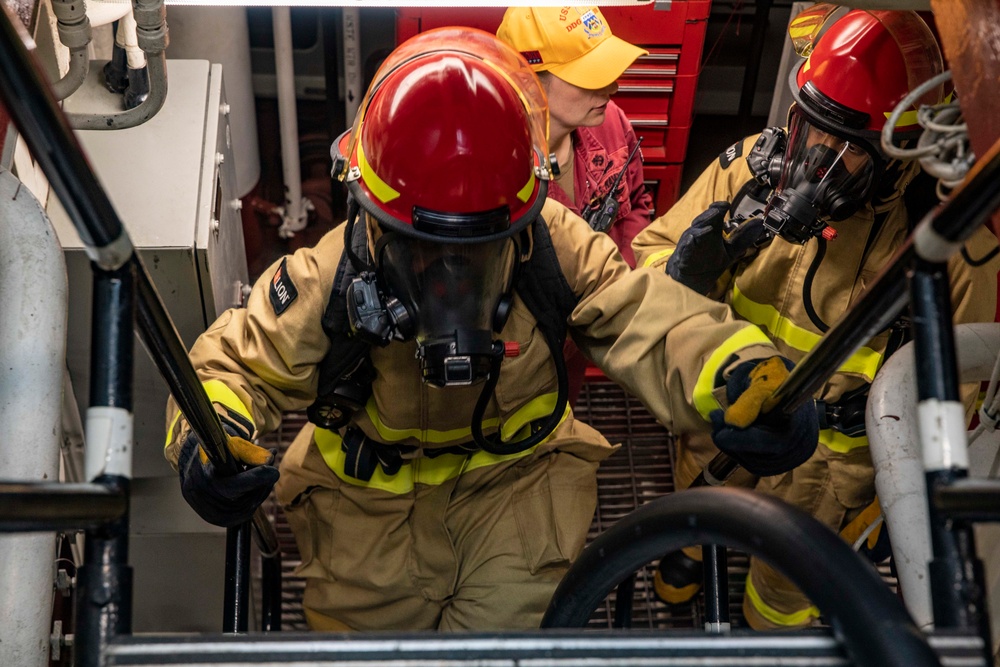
(657, 92)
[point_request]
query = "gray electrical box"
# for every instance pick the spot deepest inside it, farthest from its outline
(172, 182)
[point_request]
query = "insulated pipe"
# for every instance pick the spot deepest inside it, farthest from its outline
(893, 439)
(294, 213)
(151, 34)
(865, 615)
(32, 356)
(74, 33)
(128, 39)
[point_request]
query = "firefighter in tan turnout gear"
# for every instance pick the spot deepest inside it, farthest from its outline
(793, 262)
(445, 484)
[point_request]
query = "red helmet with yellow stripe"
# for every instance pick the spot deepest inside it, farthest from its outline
(861, 67)
(450, 140)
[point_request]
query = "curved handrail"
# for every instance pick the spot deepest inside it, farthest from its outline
(864, 613)
(48, 135)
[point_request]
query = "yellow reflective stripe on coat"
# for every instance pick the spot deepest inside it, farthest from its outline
(217, 392)
(657, 255)
(794, 619)
(865, 361)
(535, 409)
(704, 401)
(423, 470)
(839, 442)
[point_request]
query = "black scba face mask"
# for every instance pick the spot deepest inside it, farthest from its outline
(449, 297)
(456, 296)
(823, 178)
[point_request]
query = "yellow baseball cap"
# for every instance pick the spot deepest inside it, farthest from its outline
(574, 43)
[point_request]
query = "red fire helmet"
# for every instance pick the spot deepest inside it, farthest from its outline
(450, 140)
(861, 67)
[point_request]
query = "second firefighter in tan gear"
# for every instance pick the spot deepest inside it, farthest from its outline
(795, 292)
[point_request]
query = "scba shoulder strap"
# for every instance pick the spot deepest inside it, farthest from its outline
(346, 372)
(543, 287)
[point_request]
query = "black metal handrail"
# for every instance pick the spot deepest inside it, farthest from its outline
(969, 499)
(44, 128)
(53, 506)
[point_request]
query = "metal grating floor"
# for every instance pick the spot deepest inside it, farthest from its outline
(641, 470)
(638, 472)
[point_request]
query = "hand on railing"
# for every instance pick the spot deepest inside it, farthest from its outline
(226, 500)
(762, 440)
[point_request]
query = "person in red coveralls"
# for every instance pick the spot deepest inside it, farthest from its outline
(578, 61)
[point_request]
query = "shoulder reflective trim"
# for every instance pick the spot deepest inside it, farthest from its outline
(865, 361)
(704, 401)
(425, 471)
(379, 188)
(535, 409)
(794, 619)
(840, 443)
(657, 256)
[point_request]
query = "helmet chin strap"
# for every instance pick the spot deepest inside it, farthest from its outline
(353, 213)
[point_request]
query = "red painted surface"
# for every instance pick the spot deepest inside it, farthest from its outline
(657, 93)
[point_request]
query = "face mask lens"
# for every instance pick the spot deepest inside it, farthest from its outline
(447, 286)
(833, 173)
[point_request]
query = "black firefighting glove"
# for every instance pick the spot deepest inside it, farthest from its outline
(765, 443)
(705, 251)
(226, 500)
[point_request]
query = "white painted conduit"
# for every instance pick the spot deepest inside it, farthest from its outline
(33, 314)
(891, 420)
(295, 213)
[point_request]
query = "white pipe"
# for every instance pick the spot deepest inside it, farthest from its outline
(103, 12)
(295, 213)
(893, 437)
(33, 315)
(352, 63)
(128, 39)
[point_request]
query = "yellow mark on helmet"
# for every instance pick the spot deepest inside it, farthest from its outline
(906, 118)
(525, 193)
(379, 188)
